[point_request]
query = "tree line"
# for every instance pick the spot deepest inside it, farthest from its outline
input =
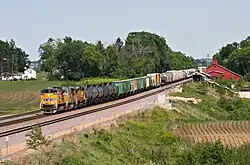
(236, 56)
(12, 58)
(139, 54)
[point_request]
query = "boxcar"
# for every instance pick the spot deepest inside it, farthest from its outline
(189, 71)
(167, 77)
(178, 75)
(156, 79)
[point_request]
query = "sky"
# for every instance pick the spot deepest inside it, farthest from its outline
(194, 27)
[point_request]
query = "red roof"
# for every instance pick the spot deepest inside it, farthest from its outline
(216, 68)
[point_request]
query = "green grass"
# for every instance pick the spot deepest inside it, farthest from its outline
(31, 86)
(216, 104)
(146, 138)
(149, 138)
(22, 96)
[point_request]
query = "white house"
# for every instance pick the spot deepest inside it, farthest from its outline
(29, 74)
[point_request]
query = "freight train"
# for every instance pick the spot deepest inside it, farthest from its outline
(55, 99)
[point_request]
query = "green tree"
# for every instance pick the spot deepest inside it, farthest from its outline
(235, 56)
(179, 61)
(36, 138)
(141, 53)
(47, 52)
(239, 61)
(13, 59)
(110, 61)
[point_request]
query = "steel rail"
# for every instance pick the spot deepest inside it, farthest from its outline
(15, 121)
(6, 117)
(26, 128)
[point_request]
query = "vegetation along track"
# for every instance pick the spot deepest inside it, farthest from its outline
(25, 128)
(230, 133)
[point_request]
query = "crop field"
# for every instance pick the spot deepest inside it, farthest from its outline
(21, 96)
(230, 133)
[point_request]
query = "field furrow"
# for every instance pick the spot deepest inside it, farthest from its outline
(230, 133)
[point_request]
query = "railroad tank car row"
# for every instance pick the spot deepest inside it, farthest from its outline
(55, 99)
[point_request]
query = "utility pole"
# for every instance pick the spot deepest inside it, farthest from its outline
(207, 59)
(11, 54)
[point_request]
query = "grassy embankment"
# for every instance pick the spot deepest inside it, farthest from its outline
(217, 104)
(149, 138)
(22, 96)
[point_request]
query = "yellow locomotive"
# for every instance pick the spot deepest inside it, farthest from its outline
(57, 99)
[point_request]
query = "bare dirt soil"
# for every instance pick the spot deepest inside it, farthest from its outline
(231, 133)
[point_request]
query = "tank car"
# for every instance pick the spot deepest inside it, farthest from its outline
(110, 91)
(93, 94)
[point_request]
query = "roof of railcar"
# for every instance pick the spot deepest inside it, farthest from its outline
(131, 79)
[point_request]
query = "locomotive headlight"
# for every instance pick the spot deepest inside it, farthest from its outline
(49, 99)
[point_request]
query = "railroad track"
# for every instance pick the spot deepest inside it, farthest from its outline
(22, 118)
(63, 118)
(19, 115)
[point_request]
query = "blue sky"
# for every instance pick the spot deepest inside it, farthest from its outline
(194, 27)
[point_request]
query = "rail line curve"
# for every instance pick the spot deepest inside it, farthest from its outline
(93, 110)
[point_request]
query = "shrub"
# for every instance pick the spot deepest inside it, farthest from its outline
(206, 153)
(36, 138)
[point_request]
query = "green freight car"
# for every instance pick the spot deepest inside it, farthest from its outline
(123, 87)
(139, 84)
(131, 86)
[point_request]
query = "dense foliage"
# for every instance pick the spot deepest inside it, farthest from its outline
(236, 56)
(141, 53)
(12, 58)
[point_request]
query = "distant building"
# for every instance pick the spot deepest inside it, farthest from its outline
(217, 71)
(200, 76)
(29, 74)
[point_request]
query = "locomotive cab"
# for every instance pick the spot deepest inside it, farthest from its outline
(49, 100)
